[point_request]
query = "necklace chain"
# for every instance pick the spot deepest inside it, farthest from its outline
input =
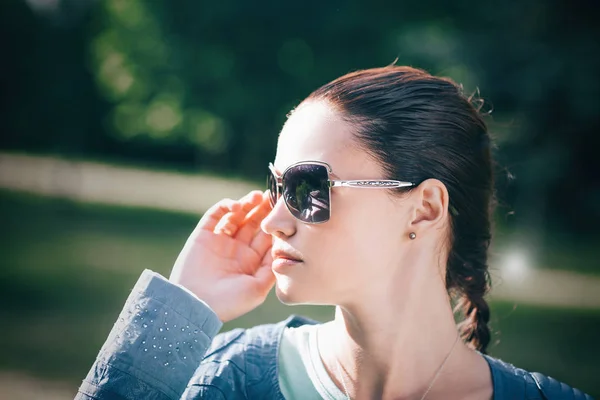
(440, 368)
(437, 374)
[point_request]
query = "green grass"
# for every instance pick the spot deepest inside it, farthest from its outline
(66, 270)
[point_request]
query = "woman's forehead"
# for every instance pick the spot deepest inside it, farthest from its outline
(313, 132)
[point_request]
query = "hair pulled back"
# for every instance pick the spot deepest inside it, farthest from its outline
(418, 127)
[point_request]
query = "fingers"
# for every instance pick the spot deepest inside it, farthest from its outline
(261, 243)
(251, 224)
(211, 218)
(230, 223)
(226, 215)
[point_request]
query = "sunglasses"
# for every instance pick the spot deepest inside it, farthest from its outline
(306, 189)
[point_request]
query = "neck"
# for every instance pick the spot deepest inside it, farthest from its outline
(394, 339)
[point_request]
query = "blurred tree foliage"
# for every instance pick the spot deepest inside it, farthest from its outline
(208, 84)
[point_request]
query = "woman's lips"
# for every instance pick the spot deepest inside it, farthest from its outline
(284, 256)
(281, 263)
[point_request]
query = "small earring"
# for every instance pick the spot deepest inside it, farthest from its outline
(412, 235)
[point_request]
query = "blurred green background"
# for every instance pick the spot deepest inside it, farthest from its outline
(189, 88)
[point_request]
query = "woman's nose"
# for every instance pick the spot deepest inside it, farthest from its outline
(279, 221)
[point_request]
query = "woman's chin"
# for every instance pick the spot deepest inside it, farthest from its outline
(289, 292)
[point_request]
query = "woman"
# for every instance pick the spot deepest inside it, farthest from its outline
(380, 203)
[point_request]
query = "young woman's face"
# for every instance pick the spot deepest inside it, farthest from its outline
(359, 248)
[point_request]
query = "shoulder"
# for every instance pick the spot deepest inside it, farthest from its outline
(243, 361)
(511, 382)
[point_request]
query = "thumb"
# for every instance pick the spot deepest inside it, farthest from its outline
(264, 279)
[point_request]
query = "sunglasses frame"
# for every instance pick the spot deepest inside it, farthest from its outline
(360, 183)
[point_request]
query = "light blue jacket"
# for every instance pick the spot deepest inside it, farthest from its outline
(164, 345)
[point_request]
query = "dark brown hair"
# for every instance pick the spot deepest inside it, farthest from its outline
(418, 127)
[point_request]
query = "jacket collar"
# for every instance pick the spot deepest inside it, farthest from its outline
(509, 382)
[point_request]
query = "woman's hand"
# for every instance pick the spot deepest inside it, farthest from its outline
(226, 261)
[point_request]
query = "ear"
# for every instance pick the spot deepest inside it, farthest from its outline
(431, 206)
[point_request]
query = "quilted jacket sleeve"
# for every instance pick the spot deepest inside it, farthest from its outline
(511, 383)
(551, 389)
(155, 345)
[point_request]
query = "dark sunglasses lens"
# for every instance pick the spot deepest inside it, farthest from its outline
(306, 192)
(272, 186)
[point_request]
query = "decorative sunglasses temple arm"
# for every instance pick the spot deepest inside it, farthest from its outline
(371, 184)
